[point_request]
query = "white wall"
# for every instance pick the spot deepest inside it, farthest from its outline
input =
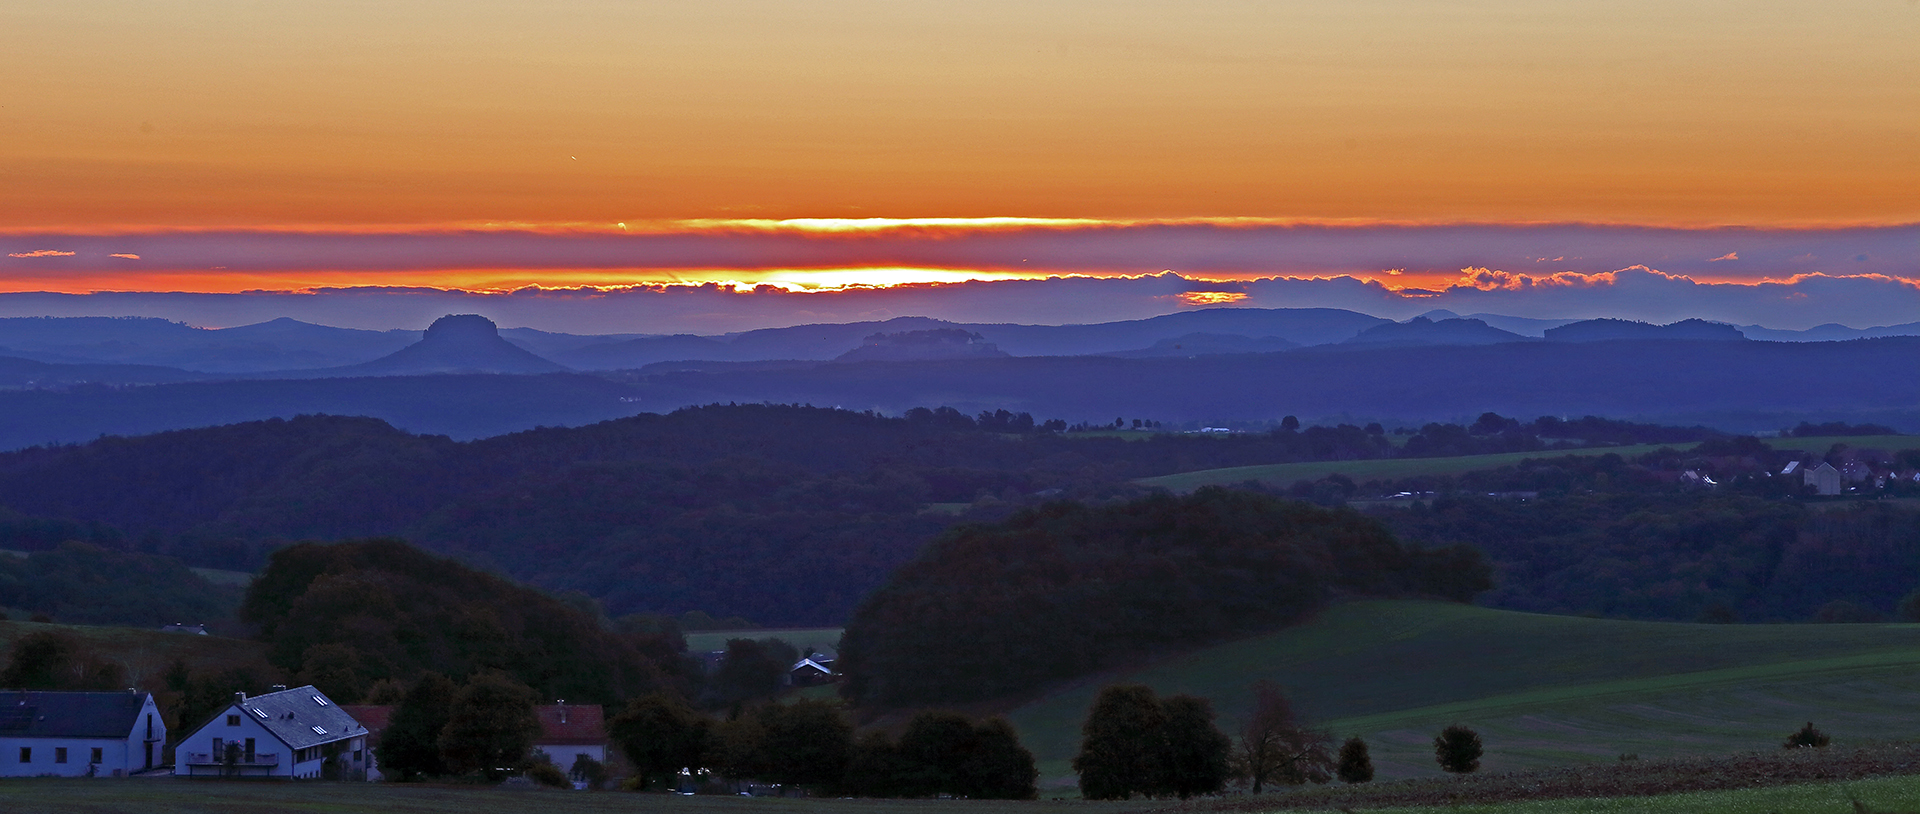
(124, 755)
(563, 755)
(113, 755)
(201, 743)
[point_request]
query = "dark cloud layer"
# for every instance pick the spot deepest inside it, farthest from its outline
(1776, 277)
(711, 309)
(1188, 248)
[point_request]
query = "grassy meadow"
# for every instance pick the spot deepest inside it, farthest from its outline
(1390, 469)
(146, 653)
(1884, 795)
(1542, 690)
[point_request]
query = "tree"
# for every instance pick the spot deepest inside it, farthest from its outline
(1457, 748)
(491, 727)
(336, 670)
(806, 743)
(40, 661)
(410, 746)
(948, 753)
(876, 768)
(1122, 744)
(1807, 738)
(739, 747)
(999, 768)
(752, 669)
(934, 751)
(1356, 765)
(1290, 424)
(1909, 608)
(1275, 745)
(1197, 751)
(660, 735)
(588, 771)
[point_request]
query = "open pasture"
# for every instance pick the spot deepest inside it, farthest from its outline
(146, 653)
(171, 796)
(1542, 690)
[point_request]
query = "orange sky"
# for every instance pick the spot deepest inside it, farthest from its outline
(261, 113)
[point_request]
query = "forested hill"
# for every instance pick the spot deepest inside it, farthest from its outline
(1064, 589)
(784, 515)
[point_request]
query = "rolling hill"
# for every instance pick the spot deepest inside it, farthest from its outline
(1396, 468)
(1542, 690)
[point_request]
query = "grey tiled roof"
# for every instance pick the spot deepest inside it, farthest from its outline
(36, 714)
(292, 715)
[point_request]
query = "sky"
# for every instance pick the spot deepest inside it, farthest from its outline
(1531, 155)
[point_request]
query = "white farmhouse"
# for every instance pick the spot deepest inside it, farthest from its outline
(571, 731)
(291, 733)
(79, 734)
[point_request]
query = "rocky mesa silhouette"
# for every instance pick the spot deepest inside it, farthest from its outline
(456, 343)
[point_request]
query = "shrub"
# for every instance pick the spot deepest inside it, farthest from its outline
(1356, 765)
(547, 774)
(1458, 749)
(1807, 737)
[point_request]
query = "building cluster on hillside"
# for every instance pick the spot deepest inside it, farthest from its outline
(296, 733)
(1850, 471)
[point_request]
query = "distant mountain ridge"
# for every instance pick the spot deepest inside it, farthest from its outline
(1424, 331)
(282, 346)
(1601, 330)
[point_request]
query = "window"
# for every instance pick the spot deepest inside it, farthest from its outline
(59, 754)
(260, 713)
(321, 701)
(96, 756)
(233, 720)
(319, 730)
(26, 754)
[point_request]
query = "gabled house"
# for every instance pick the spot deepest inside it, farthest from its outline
(812, 670)
(570, 730)
(79, 734)
(297, 733)
(1824, 479)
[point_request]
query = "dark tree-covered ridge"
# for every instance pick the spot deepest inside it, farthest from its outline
(1064, 589)
(391, 611)
(786, 515)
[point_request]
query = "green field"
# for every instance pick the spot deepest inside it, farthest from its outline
(1884, 795)
(1542, 690)
(1394, 468)
(170, 796)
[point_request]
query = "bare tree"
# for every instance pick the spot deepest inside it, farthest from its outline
(1277, 746)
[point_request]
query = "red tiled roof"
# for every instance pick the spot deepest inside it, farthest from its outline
(572, 724)
(372, 716)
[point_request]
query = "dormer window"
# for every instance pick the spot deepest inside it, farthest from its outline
(259, 713)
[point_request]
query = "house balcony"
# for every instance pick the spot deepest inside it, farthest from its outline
(259, 759)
